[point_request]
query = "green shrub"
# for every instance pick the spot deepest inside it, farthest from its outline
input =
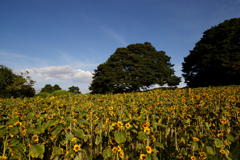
(62, 92)
(43, 94)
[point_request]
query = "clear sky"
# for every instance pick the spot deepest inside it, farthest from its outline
(63, 41)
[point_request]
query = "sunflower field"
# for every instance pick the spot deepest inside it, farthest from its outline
(194, 124)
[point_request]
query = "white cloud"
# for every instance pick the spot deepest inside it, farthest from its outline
(114, 35)
(64, 73)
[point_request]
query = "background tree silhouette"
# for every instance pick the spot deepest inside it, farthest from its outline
(12, 85)
(215, 59)
(74, 90)
(138, 66)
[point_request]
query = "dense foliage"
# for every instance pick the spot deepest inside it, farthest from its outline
(196, 124)
(215, 59)
(12, 85)
(74, 90)
(50, 89)
(138, 66)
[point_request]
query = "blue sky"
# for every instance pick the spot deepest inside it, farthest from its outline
(63, 41)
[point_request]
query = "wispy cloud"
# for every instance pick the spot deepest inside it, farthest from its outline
(114, 35)
(70, 60)
(64, 73)
(12, 55)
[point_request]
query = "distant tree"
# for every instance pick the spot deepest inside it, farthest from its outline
(50, 89)
(215, 59)
(131, 68)
(47, 89)
(74, 90)
(12, 85)
(56, 87)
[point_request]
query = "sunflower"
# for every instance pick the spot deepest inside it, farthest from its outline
(127, 125)
(121, 154)
(149, 149)
(50, 116)
(193, 158)
(114, 149)
(119, 149)
(220, 135)
(112, 141)
(223, 121)
(10, 127)
(35, 138)
(142, 156)
(222, 151)
(195, 139)
(144, 125)
(110, 108)
(145, 111)
(77, 148)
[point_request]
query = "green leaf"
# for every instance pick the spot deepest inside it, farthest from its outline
(210, 150)
(14, 131)
(40, 130)
(37, 150)
(230, 137)
(69, 118)
(86, 137)
(14, 142)
(157, 144)
(31, 115)
(20, 148)
(195, 146)
(154, 157)
(183, 152)
(207, 125)
(120, 137)
(50, 123)
(56, 151)
(81, 120)
(148, 157)
(229, 158)
(79, 133)
(3, 131)
(219, 143)
(70, 136)
(107, 153)
(57, 129)
(98, 140)
(141, 135)
(77, 158)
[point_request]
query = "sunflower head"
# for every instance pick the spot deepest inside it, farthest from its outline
(77, 148)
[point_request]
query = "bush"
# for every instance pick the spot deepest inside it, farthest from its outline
(43, 94)
(62, 92)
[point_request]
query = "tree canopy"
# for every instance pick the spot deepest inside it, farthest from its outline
(12, 85)
(138, 66)
(50, 89)
(215, 59)
(74, 90)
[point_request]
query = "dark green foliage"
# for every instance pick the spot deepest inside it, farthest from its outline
(74, 90)
(49, 89)
(56, 88)
(12, 85)
(131, 68)
(215, 59)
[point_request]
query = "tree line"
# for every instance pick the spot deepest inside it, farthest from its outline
(214, 61)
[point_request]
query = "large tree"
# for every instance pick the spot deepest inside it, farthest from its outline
(12, 85)
(50, 89)
(74, 90)
(215, 59)
(138, 66)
